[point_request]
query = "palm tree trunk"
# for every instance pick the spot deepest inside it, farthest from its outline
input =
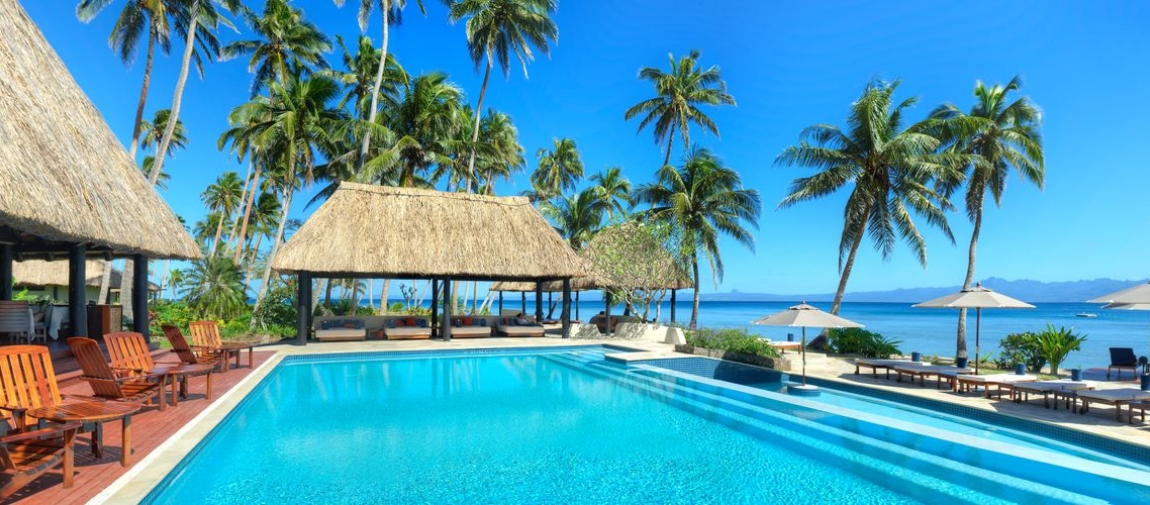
(143, 98)
(315, 294)
(327, 295)
(384, 307)
(838, 303)
(105, 282)
(695, 302)
(960, 343)
(287, 195)
(216, 240)
(251, 263)
(248, 212)
(475, 130)
(167, 263)
(385, 11)
(174, 118)
(126, 278)
(243, 205)
(670, 141)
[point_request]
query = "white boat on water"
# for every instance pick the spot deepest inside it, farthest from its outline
(1086, 314)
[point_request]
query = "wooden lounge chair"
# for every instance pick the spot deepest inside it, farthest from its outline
(28, 382)
(109, 385)
(884, 364)
(206, 338)
(1122, 358)
(187, 354)
(28, 455)
(1115, 397)
(132, 357)
(1023, 391)
(1002, 383)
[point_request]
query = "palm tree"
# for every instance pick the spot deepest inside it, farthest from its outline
(175, 281)
(890, 169)
(359, 77)
(578, 217)
(496, 29)
(214, 289)
(560, 168)
(502, 152)
(203, 20)
(678, 95)
(154, 16)
(701, 201)
(223, 197)
(285, 41)
(999, 134)
(614, 189)
(392, 12)
(146, 169)
(151, 130)
(423, 123)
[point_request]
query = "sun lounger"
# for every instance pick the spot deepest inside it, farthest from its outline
(1122, 358)
(885, 364)
(1000, 382)
(941, 373)
(1022, 391)
(1141, 406)
(1115, 397)
(784, 345)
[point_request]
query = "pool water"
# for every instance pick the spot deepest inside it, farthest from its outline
(564, 426)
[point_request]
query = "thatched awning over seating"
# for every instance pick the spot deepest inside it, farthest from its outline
(55, 273)
(580, 284)
(64, 177)
(375, 231)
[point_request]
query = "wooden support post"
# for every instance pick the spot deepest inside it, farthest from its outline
(139, 299)
(5, 271)
(448, 301)
(577, 306)
(607, 311)
(566, 312)
(77, 312)
(523, 302)
(501, 303)
(434, 308)
(539, 302)
(303, 305)
(673, 305)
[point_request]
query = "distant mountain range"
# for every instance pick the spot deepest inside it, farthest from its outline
(1026, 290)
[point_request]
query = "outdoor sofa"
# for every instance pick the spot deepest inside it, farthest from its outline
(471, 326)
(337, 329)
(508, 326)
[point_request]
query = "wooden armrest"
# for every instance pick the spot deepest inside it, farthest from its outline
(12, 408)
(55, 429)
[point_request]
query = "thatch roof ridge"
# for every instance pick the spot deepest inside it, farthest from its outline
(365, 230)
(64, 175)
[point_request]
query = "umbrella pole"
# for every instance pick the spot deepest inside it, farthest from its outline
(804, 351)
(977, 336)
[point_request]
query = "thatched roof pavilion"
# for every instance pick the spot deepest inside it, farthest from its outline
(69, 187)
(55, 273)
(375, 231)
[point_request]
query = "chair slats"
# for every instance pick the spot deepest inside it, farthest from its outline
(103, 380)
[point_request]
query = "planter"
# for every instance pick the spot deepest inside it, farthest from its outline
(960, 362)
(751, 359)
(1075, 374)
(1146, 382)
(1020, 369)
(916, 356)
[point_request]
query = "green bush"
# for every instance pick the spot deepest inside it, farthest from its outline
(279, 306)
(731, 339)
(163, 312)
(1054, 344)
(862, 342)
(1020, 348)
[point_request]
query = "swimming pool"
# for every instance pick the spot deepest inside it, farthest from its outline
(563, 425)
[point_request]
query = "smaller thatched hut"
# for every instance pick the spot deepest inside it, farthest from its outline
(46, 277)
(373, 231)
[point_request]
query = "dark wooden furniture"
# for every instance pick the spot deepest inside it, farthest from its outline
(16, 321)
(187, 355)
(104, 319)
(131, 356)
(1122, 358)
(96, 413)
(28, 455)
(109, 385)
(206, 336)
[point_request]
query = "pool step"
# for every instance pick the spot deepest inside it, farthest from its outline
(932, 474)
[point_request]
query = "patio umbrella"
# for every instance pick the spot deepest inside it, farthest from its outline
(805, 316)
(1139, 294)
(1127, 306)
(977, 298)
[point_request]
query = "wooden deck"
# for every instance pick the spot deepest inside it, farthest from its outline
(150, 428)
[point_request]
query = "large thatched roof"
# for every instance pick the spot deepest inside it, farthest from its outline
(64, 176)
(580, 284)
(380, 231)
(55, 273)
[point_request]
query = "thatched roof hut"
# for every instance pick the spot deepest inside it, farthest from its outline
(64, 176)
(375, 231)
(55, 273)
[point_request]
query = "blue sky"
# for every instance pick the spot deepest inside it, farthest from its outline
(789, 66)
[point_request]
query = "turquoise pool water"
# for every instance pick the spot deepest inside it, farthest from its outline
(563, 426)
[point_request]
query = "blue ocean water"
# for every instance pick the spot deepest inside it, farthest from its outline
(929, 331)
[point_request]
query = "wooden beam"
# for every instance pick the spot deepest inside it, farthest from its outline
(303, 305)
(448, 301)
(77, 312)
(5, 271)
(673, 306)
(139, 299)
(539, 302)
(434, 308)
(565, 315)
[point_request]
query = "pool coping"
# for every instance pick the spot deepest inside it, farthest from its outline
(138, 482)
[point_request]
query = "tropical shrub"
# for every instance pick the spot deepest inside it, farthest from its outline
(862, 342)
(1019, 348)
(163, 312)
(731, 339)
(279, 307)
(215, 288)
(1054, 344)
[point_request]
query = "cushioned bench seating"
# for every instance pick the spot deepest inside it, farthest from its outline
(508, 328)
(406, 328)
(342, 329)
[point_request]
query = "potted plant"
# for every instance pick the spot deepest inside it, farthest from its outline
(1054, 344)
(1076, 373)
(1145, 363)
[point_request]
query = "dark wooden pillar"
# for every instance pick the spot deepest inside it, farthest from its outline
(565, 314)
(5, 271)
(77, 313)
(303, 305)
(550, 305)
(607, 310)
(139, 299)
(448, 301)
(523, 302)
(577, 306)
(538, 302)
(501, 303)
(434, 308)
(673, 305)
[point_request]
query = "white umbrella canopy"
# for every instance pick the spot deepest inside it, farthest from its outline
(1139, 294)
(976, 297)
(805, 316)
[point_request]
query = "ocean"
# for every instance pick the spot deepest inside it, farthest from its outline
(929, 331)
